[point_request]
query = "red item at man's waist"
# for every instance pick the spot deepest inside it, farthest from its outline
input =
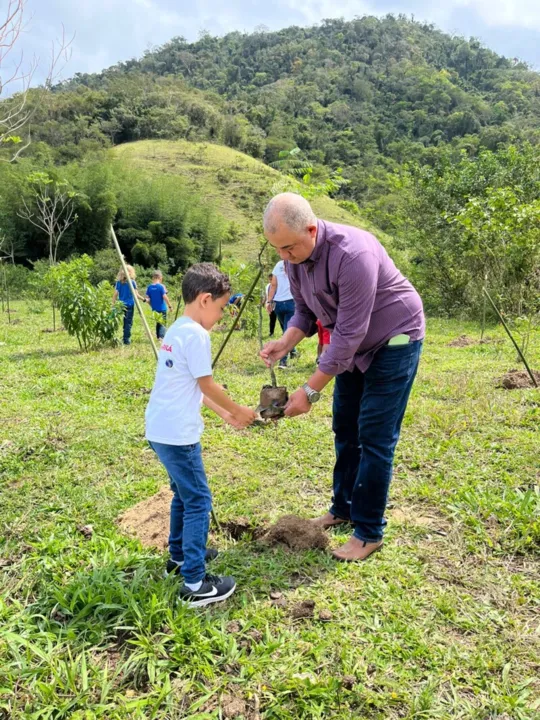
(324, 334)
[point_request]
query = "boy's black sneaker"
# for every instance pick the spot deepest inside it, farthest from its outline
(173, 567)
(214, 588)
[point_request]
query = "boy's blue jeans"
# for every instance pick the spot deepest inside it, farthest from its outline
(161, 328)
(128, 323)
(190, 507)
(367, 415)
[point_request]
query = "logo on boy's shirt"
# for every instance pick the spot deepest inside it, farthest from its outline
(167, 348)
(169, 363)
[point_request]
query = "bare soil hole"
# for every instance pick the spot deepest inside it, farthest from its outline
(241, 526)
(518, 380)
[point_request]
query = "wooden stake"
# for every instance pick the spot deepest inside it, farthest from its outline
(519, 352)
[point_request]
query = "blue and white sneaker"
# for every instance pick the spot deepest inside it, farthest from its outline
(214, 588)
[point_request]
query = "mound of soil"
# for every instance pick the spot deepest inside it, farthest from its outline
(149, 520)
(518, 380)
(303, 610)
(462, 341)
(296, 533)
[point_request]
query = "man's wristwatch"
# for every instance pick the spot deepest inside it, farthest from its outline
(313, 396)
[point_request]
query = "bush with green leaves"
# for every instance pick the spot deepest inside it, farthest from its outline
(85, 309)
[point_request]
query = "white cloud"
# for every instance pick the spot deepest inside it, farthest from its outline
(316, 10)
(510, 13)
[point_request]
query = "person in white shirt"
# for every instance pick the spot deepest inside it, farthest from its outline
(281, 297)
(174, 426)
(270, 307)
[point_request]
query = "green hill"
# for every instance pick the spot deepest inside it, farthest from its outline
(236, 185)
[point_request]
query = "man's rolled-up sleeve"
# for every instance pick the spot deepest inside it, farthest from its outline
(357, 287)
(303, 318)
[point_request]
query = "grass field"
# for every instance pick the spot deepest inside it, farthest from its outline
(236, 185)
(443, 623)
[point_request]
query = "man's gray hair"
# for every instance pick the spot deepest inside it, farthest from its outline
(291, 209)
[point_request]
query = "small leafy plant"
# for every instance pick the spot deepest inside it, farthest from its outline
(85, 309)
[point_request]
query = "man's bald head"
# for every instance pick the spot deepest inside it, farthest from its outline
(291, 226)
(291, 209)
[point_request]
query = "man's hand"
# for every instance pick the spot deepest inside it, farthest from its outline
(273, 351)
(298, 404)
(242, 417)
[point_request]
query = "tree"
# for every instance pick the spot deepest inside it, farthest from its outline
(15, 113)
(84, 308)
(473, 223)
(52, 210)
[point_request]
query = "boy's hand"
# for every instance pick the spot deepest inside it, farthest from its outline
(243, 417)
(231, 420)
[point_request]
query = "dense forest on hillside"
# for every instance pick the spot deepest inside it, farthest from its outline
(364, 95)
(433, 138)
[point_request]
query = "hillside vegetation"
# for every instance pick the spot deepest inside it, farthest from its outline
(233, 184)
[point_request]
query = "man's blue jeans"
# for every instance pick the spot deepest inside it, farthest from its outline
(284, 311)
(367, 415)
(190, 507)
(128, 323)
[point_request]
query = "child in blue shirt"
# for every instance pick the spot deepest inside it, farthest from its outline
(156, 295)
(122, 292)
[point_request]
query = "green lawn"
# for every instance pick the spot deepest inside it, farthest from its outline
(443, 623)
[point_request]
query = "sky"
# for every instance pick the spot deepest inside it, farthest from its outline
(109, 31)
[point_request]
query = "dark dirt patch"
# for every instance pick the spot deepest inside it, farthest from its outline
(272, 402)
(149, 520)
(348, 681)
(241, 526)
(518, 380)
(295, 533)
(462, 341)
(466, 341)
(86, 531)
(140, 391)
(304, 610)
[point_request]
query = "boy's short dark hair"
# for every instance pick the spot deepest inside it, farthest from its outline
(204, 278)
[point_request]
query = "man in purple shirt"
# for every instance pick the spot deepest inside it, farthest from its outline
(344, 277)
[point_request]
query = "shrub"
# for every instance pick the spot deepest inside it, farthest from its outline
(85, 309)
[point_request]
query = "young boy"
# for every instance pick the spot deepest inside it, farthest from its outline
(174, 427)
(156, 295)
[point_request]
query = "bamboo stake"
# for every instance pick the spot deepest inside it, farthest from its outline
(134, 293)
(519, 352)
(242, 308)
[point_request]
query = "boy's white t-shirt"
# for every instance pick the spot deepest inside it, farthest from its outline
(283, 291)
(173, 414)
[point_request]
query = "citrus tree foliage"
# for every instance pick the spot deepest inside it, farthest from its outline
(474, 223)
(85, 309)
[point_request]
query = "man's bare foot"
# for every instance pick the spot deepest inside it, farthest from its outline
(327, 521)
(355, 550)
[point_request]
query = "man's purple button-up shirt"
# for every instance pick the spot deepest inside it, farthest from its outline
(353, 287)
